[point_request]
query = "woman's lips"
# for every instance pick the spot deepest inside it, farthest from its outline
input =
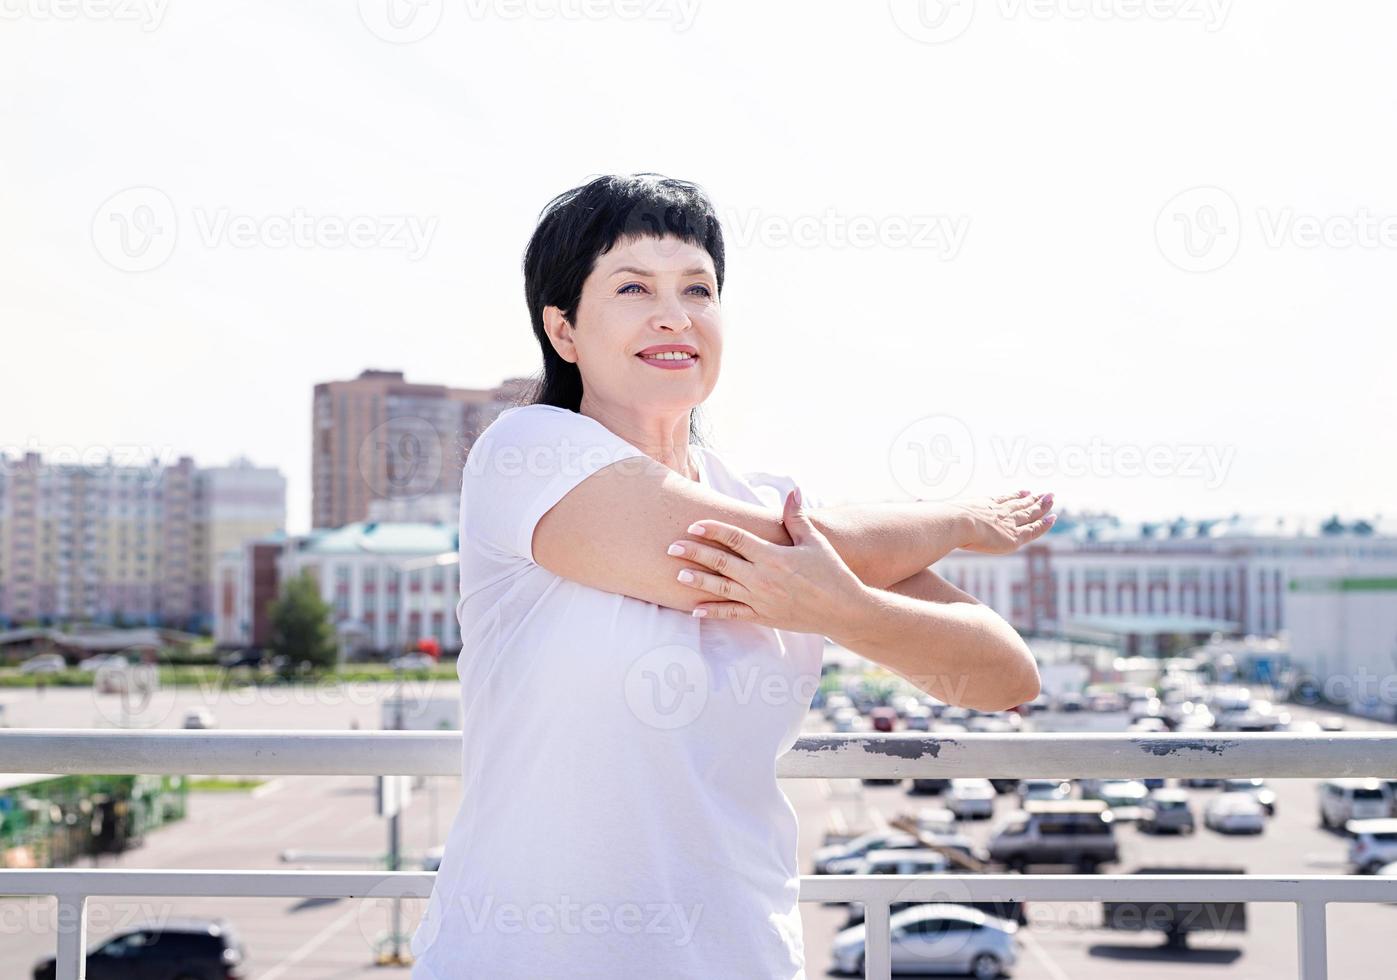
(672, 364)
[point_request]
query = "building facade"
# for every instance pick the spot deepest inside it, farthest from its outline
(380, 437)
(389, 585)
(125, 545)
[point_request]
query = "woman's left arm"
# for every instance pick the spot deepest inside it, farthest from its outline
(888, 543)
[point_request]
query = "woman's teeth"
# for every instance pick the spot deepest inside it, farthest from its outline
(668, 356)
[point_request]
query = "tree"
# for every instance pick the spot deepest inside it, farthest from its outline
(301, 628)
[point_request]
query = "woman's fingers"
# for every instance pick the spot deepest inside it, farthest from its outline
(723, 562)
(723, 588)
(735, 539)
(727, 610)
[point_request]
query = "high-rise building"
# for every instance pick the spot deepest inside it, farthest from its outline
(129, 545)
(381, 437)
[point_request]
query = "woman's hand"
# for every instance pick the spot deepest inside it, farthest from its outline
(804, 587)
(1001, 525)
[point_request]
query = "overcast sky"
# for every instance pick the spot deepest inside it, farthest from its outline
(1138, 254)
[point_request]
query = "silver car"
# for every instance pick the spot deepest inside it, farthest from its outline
(937, 939)
(1167, 811)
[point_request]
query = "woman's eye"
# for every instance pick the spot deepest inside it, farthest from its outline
(706, 290)
(628, 286)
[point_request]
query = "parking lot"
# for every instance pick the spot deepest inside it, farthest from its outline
(339, 939)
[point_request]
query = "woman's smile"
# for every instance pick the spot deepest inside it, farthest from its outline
(670, 357)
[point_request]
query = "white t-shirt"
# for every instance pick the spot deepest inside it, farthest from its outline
(621, 814)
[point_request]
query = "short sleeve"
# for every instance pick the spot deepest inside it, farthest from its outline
(524, 462)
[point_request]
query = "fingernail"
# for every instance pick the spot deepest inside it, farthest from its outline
(1047, 499)
(797, 493)
(700, 613)
(1023, 493)
(1050, 520)
(676, 549)
(695, 528)
(685, 575)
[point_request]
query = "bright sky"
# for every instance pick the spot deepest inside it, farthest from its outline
(1138, 252)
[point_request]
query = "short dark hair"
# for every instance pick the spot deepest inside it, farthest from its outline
(581, 224)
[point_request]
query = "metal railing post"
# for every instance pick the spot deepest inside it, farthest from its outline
(71, 961)
(1311, 932)
(877, 940)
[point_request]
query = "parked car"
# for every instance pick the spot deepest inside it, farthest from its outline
(102, 661)
(172, 948)
(1080, 833)
(1070, 701)
(917, 719)
(883, 719)
(937, 938)
(836, 702)
(936, 820)
(1166, 811)
(971, 799)
(1125, 797)
(1374, 844)
(930, 785)
(1342, 800)
(1260, 716)
(199, 717)
(1234, 813)
(1044, 789)
(44, 663)
(902, 861)
(1264, 794)
(844, 856)
(1149, 724)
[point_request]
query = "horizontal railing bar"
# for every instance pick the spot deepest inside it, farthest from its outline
(273, 883)
(896, 755)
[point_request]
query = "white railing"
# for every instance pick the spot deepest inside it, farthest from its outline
(73, 751)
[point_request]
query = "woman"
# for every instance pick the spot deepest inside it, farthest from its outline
(621, 815)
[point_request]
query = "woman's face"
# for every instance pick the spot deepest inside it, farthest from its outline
(647, 293)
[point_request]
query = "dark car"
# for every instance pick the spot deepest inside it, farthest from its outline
(176, 949)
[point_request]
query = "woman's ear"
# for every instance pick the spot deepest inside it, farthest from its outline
(559, 331)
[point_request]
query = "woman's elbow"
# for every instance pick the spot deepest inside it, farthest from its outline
(1016, 680)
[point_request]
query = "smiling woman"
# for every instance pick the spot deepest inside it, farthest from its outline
(621, 814)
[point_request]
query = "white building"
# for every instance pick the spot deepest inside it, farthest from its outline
(1332, 587)
(390, 584)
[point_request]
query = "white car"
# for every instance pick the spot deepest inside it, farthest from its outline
(1149, 724)
(1235, 813)
(1374, 844)
(1045, 789)
(970, 799)
(101, 661)
(412, 661)
(844, 858)
(903, 861)
(936, 820)
(834, 703)
(1264, 794)
(918, 719)
(1342, 800)
(44, 663)
(937, 939)
(1125, 797)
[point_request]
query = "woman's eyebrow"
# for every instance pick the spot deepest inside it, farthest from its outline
(696, 271)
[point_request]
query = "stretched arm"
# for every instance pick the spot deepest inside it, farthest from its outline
(886, 543)
(945, 642)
